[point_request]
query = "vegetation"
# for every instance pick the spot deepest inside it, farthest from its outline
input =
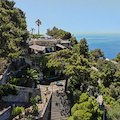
(34, 100)
(35, 108)
(86, 108)
(13, 32)
(96, 54)
(17, 110)
(117, 58)
(81, 48)
(3, 65)
(76, 65)
(25, 78)
(6, 89)
(59, 33)
(114, 113)
(38, 22)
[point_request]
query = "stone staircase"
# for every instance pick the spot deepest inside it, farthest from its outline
(60, 107)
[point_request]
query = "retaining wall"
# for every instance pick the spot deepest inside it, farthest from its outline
(23, 95)
(5, 114)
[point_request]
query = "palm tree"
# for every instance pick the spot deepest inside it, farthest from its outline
(32, 29)
(38, 22)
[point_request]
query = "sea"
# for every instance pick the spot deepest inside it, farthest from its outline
(109, 43)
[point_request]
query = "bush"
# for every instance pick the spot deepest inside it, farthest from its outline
(35, 108)
(33, 100)
(17, 110)
(7, 89)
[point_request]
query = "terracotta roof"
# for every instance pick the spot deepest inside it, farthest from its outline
(37, 47)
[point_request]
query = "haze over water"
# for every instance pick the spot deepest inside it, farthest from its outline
(109, 43)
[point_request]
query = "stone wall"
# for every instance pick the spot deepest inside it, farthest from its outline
(5, 114)
(47, 110)
(23, 95)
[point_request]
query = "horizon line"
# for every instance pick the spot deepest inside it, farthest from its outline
(89, 32)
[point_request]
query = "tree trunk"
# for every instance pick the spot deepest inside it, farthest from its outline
(38, 30)
(66, 83)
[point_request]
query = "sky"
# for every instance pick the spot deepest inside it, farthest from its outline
(72, 15)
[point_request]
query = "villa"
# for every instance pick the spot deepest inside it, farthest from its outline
(44, 46)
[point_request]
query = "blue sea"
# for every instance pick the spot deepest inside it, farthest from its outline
(109, 43)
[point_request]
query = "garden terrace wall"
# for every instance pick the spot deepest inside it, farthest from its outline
(23, 95)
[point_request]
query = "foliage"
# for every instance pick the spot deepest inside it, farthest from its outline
(108, 70)
(36, 36)
(76, 94)
(58, 33)
(17, 110)
(81, 48)
(73, 41)
(86, 109)
(13, 30)
(76, 66)
(43, 66)
(117, 58)
(109, 101)
(15, 81)
(97, 53)
(38, 22)
(58, 60)
(6, 89)
(35, 108)
(78, 69)
(33, 100)
(25, 78)
(94, 75)
(114, 113)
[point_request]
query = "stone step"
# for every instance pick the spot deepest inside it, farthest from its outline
(59, 110)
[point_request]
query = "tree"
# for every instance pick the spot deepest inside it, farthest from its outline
(117, 58)
(87, 108)
(38, 22)
(97, 53)
(82, 48)
(73, 41)
(57, 61)
(43, 66)
(114, 113)
(78, 69)
(25, 78)
(32, 29)
(58, 33)
(109, 70)
(13, 30)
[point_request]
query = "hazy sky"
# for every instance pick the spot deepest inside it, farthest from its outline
(72, 15)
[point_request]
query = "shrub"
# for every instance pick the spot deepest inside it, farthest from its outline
(33, 100)
(17, 110)
(7, 89)
(35, 108)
